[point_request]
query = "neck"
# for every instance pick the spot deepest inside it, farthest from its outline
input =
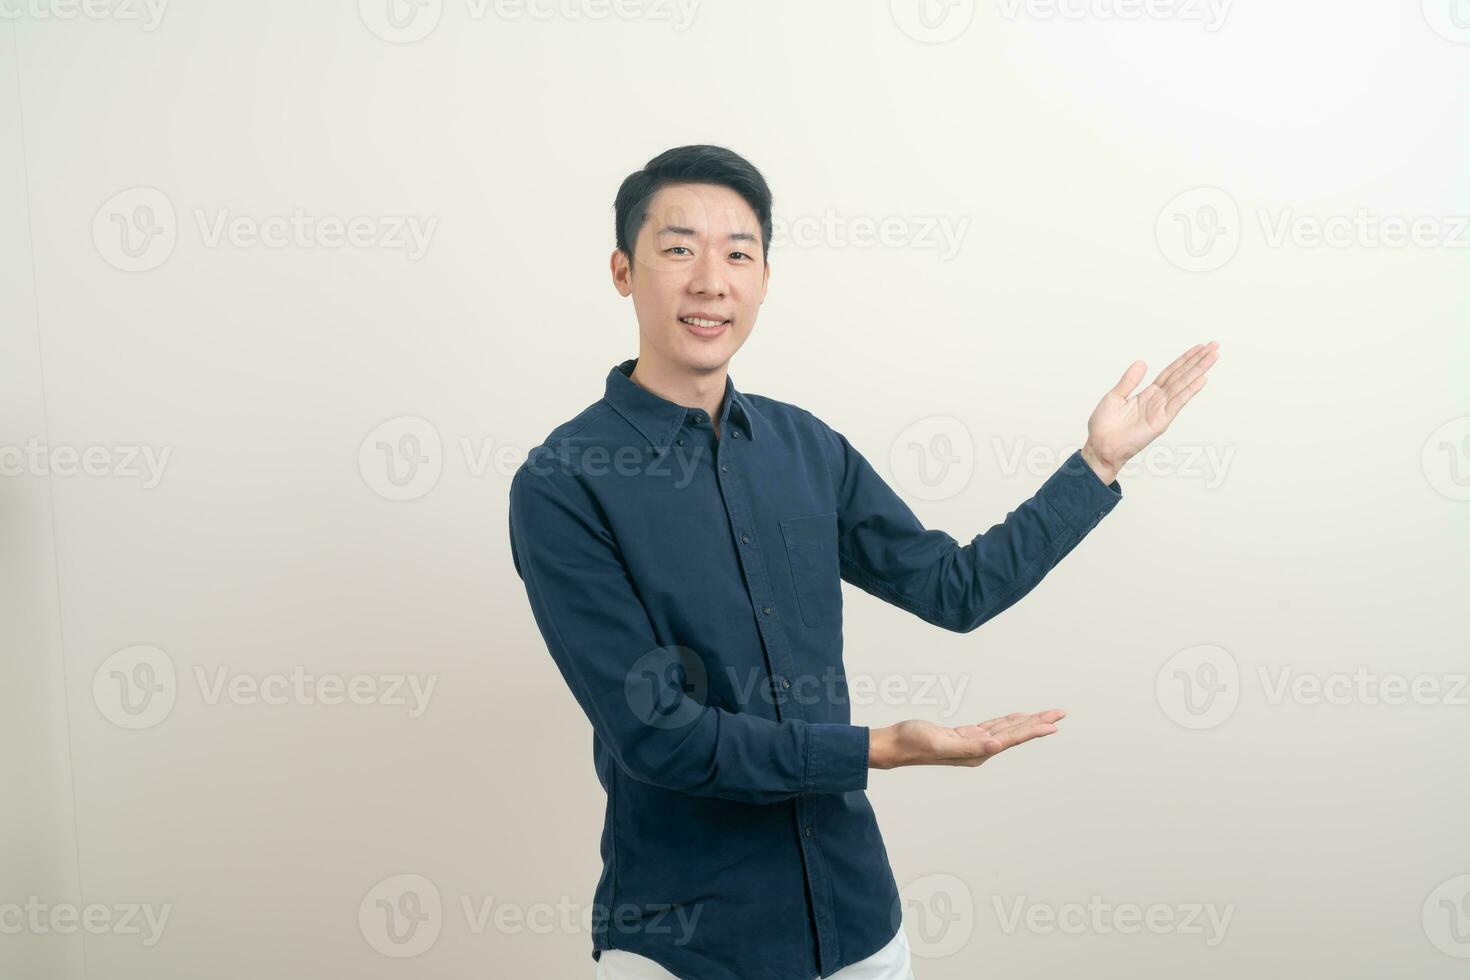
(681, 385)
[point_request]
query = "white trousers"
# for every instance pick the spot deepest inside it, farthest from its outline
(889, 963)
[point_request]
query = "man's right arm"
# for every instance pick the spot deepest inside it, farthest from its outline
(632, 689)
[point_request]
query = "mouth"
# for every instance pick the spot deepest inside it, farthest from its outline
(704, 325)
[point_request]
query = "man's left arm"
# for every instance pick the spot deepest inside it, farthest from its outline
(885, 550)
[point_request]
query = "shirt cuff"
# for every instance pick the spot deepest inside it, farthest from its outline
(1079, 495)
(836, 757)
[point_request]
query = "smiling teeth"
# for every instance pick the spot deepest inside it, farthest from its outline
(695, 321)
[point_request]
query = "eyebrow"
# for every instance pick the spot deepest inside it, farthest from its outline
(734, 236)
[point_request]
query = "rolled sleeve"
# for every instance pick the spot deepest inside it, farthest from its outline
(1078, 495)
(837, 757)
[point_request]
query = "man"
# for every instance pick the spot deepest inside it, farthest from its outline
(683, 545)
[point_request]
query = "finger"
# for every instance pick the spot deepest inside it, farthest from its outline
(1174, 365)
(1025, 733)
(1194, 371)
(1178, 401)
(1130, 379)
(1184, 363)
(1001, 722)
(1027, 726)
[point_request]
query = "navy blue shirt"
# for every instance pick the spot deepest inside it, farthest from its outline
(688, 587)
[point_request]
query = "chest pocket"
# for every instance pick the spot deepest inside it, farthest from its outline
(811, 548)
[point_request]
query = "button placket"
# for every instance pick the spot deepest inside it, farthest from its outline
(778, 660)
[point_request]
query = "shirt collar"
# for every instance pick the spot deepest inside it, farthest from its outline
(659, 419)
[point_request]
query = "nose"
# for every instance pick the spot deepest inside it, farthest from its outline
(709, 277)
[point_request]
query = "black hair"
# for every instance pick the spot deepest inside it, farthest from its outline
(698, 164)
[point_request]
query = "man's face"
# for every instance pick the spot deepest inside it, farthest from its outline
(698, 255)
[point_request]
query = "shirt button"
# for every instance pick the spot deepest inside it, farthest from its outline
(785, 682)
(745, 539)
(699, 416)
(735, 434)
(724, 468)
(766, 610)
(808, 830)
(681, 442)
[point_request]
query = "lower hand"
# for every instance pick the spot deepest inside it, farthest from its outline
(923, 743)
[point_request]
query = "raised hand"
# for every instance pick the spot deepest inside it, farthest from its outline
(923, 743)
(1123, 423)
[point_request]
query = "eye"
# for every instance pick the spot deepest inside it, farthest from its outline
(671, 248)
(739, 253)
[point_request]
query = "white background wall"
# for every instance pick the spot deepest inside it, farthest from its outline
(1306, 517)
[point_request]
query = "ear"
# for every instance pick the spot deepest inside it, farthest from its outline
(765, 281)
(622, 272)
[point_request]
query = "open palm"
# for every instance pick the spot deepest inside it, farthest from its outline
(1124, 423)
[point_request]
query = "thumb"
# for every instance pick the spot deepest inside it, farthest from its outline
(1130, 379)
